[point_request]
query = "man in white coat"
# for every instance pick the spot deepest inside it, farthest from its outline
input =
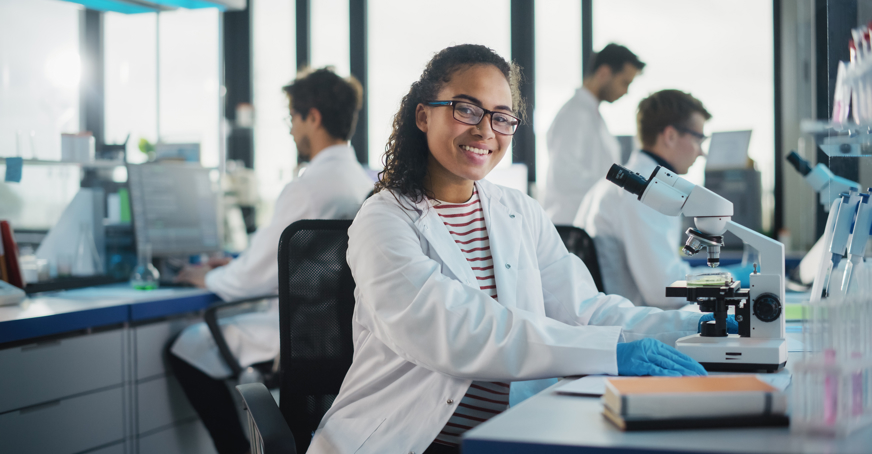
(580, 147)
(323, 110)
(638, 247)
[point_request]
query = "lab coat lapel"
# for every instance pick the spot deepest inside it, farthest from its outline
(504, 231)
(431, 226)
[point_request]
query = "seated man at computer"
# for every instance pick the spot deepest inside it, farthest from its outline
(324, 111)
(638, 247)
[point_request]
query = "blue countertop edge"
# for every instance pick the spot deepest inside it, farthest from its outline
(36, 327)
(162, 308)
(30, 328)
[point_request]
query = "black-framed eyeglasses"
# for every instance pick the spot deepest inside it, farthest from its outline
(699, 137)
(471, 114)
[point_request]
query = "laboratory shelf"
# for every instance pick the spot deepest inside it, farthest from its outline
(97, 164)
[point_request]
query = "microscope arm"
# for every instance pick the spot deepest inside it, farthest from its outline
(771, 252)
(672, 195)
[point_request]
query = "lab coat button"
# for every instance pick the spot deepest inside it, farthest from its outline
(450, 401)
(512, 216)
(508, 266)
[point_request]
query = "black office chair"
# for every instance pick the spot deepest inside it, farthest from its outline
(211, 317)
(316, 301)
(578, 242)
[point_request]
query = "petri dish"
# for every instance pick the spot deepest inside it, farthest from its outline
(709, 279)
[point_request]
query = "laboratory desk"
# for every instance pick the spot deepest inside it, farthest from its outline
(84, 371)
(557, 424)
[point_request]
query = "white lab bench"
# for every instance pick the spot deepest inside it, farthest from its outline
(556, 424)
(83, 371)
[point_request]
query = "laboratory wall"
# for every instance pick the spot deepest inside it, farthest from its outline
(798, 104)
(798, 84)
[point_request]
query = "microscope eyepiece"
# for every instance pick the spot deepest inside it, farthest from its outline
(632, 182)
(801, 165)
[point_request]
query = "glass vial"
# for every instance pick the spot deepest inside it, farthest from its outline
(145, 276)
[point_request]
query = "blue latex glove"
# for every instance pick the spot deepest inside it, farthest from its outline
(652, 357)
(732, 324)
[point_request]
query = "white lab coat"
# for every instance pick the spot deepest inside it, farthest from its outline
(637, 247)
(333, 186)
(423, 331)
(581, 149)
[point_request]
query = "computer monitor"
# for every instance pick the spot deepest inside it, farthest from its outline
(728, 150)
(174, 209)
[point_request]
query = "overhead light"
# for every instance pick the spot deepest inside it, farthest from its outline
(122, 6)
(152, 6)
(223, 5)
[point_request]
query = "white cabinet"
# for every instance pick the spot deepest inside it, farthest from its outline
(150, 345)
(161, 402)
(64, 426)
(187, 438)
(47, 371)
(108, 392)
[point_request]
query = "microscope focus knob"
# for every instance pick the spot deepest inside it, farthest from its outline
(767, 307)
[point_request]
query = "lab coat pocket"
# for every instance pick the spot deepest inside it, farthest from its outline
(347, 435)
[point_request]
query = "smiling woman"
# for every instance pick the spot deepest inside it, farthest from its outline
(464, 151)
(475, 75)
(466, 297)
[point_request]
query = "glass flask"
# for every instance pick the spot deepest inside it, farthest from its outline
(86, 261)
(145, 276)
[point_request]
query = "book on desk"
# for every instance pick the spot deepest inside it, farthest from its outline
(651, 403)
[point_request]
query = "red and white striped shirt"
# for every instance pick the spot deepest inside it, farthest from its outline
(483, 400)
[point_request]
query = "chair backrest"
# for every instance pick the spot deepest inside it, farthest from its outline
(578, 242)
(316, 302)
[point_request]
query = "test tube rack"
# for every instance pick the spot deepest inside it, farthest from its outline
(832, 384)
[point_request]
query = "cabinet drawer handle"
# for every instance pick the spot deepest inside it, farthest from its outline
(41, 345)
(39, 407)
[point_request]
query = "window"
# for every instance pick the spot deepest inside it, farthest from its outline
(39, 99)
(558, 69)
(699, 48)
(404, 36)
(130, 60)
(189, 92)
(39, 76)
(329, 35)
(274, 66)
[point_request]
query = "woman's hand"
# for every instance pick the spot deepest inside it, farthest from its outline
(652, 357)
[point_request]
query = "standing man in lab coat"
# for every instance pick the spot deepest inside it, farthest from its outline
(637, 246)
(580, 147)
(323, 109)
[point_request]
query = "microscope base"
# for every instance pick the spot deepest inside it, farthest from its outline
(734, 353)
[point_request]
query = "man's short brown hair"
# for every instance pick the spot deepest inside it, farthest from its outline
(336, 98)
(665, 108)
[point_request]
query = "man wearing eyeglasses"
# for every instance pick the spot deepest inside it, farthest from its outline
(580, 147)
(637, 247)
(323, 108)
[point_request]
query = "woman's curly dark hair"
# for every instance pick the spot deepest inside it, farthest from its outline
(406, 153)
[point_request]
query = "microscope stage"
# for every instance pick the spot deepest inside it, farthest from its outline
(734, 353)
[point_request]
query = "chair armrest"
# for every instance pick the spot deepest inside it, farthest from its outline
(211, 318)
(265, 421)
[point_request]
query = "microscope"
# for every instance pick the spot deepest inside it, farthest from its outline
(759, 310)
(821, 179)
(848, 224)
